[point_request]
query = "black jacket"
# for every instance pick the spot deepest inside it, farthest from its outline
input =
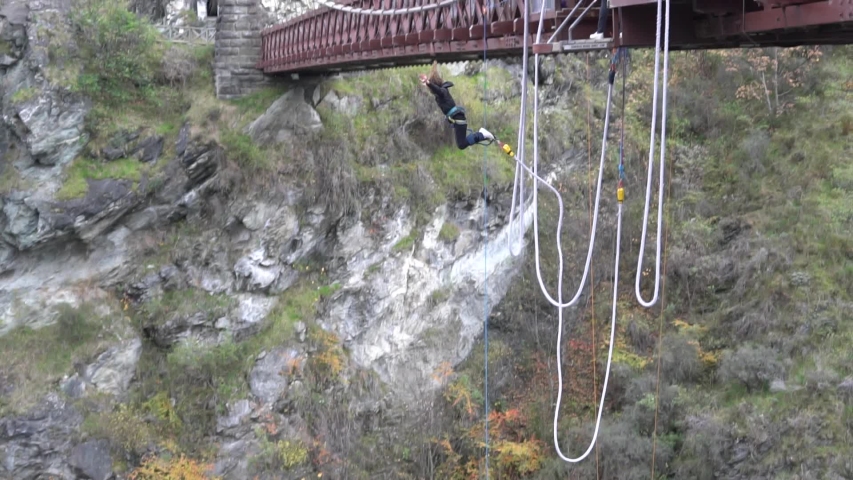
(442, 96)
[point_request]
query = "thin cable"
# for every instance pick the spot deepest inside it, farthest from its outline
(660, 337)
(651, 162)
(485, 254)
(515, 230)
(592, 273)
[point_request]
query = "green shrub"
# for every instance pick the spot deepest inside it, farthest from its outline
(449, 232)
(328, 360)
(82, 169)
(752, 366)
(119, 51)
(278, 455)
(35, 360)
(179, 303)
(75, 325)
(179, 65)
(240, 148)
(406, 242)
(680, 360)
(24, 94)
(123, 427)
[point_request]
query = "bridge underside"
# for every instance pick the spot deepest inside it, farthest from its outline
(328, 40)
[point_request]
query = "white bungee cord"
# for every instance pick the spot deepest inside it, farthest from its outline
(655, 295)
(518, 187)
(516, 232)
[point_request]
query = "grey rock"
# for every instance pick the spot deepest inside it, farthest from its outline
(348, 105)
(92, 460)
(55, 133)
(35, 222)
(286, 278)
(183, 139)
(146, 288)
(74, 387)
(259, 215)
(246, 318)
(110, 153)
(143, 219)
(288, 116)
(456, 69)
(15, 12)
(150, 149)
(233, 458)
(252, 275)
(237, 413)
(201, 162)
(113, 370)
(22, 221)
(197, 326)
(269, 378)
(172, 277)
(316, 95)
(215, 281)
(7, 255)
(846, 387)
(7, 61)
(104, 204)
(40, 440)
(300, 330)
(778, 386)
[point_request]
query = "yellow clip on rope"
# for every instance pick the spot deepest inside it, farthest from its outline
(620, 194)
(507, 149)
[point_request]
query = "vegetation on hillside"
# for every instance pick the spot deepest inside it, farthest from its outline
(739, 369)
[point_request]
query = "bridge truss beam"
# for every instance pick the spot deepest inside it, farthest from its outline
(327, 39)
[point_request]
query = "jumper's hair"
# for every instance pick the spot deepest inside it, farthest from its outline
(434, 76)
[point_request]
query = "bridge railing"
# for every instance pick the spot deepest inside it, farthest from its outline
(327, 36)
(187, 34)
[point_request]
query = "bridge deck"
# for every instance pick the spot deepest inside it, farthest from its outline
(328, 39)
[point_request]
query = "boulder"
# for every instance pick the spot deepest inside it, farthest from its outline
(40, 440)
(288, 116)
(113, 370)
(255, 272)
(346, 105)
(54, 128)
(269, 377)
(92, 460)
(33, 222)
(150, 149)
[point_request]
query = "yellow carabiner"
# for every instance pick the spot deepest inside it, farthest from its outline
(508, 149)
(620, 194)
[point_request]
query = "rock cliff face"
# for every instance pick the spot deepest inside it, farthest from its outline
(406, 302)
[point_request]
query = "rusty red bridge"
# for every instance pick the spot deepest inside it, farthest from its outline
(329, 40)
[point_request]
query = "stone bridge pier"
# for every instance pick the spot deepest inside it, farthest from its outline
(238, 48)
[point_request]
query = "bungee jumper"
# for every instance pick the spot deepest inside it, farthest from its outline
(454, 114)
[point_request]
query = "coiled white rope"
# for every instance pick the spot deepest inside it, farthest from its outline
(389, 12)
(518, 189)
(577, 295)
(655, 294)
(612, 317)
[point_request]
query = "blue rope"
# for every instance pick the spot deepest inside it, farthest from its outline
(623, 58)
(485, 255)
